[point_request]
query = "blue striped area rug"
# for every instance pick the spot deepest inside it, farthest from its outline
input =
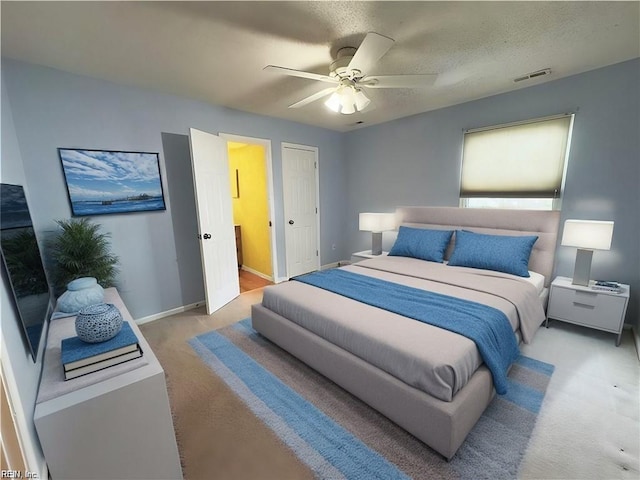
(337, 436)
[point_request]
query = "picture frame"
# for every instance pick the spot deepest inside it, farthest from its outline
(102, 182)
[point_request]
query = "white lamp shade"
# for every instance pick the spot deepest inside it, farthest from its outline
(377, 222)
(588, 234)
(348, 107)
(361, 100)
(333, 103)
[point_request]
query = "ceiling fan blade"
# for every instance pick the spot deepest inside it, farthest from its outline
(313, 98)
(398, 81)
(372, 48)
(299, 73)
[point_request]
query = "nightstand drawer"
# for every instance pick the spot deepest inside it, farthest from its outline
(592, 309)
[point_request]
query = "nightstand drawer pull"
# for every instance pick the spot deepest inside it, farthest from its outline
(584, 305)
(585, 298)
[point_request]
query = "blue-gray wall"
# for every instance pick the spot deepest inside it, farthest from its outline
(54, 109)
(416, 161)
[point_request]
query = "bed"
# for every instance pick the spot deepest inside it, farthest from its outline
(432, 382)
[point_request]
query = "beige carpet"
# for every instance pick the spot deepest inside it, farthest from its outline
(218, 439)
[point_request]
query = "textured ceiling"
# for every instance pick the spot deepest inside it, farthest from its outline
(215, 51)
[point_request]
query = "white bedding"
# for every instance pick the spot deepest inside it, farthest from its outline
(436, 361)
(536, 280)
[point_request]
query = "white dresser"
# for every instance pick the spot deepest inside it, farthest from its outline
(112, 424)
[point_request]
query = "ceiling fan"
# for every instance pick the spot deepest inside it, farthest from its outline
(349, 75)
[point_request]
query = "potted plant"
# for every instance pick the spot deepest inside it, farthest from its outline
(79, 250)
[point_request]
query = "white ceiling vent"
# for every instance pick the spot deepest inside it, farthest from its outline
(529, 76)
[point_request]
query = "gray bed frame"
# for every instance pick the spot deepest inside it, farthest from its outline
(441, 425)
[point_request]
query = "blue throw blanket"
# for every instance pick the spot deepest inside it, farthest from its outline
(488, 327)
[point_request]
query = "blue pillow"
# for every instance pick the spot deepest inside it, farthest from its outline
(501, 253)
(421, 243)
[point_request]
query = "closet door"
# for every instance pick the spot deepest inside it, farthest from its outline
(300, 180)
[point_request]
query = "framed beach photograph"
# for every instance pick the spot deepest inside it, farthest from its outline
(101, 182)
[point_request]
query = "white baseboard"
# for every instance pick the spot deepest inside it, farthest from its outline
(255, 272)
(340, 263)
(330, 265)
(173, 311)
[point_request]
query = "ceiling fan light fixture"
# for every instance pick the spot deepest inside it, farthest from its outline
(362, 101)
(348, 108)
(334, 102)
(347, 100)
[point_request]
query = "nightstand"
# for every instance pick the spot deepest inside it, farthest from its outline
(588, 307)
(365, 255)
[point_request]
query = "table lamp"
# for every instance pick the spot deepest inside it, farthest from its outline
(587, 235)
(376, 223)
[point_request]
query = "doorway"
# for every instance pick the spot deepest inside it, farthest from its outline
(251, 197)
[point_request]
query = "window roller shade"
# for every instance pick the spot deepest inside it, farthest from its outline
(524, 160)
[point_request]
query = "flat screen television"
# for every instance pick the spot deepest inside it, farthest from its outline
(22, 264)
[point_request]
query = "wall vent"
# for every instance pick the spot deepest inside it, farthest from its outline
(529, 76)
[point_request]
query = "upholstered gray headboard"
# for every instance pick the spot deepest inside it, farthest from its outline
(542, 223)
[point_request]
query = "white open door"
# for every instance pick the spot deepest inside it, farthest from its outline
(215, 218)
(299, 181)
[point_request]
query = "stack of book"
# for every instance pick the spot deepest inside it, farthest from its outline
(80, 358)
(607, 286)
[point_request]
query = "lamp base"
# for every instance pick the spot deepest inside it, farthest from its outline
(376, 243)
(582, 269)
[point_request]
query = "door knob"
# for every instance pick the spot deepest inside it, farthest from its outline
(291, 222)
(206, 236)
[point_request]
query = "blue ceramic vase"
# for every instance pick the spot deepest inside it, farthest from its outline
(98, 323)
(81, 292)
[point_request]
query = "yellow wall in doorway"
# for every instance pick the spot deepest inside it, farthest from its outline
(251, 208)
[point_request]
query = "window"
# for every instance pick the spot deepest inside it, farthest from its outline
(519, 165)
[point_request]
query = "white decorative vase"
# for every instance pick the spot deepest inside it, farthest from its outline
(80, 293)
